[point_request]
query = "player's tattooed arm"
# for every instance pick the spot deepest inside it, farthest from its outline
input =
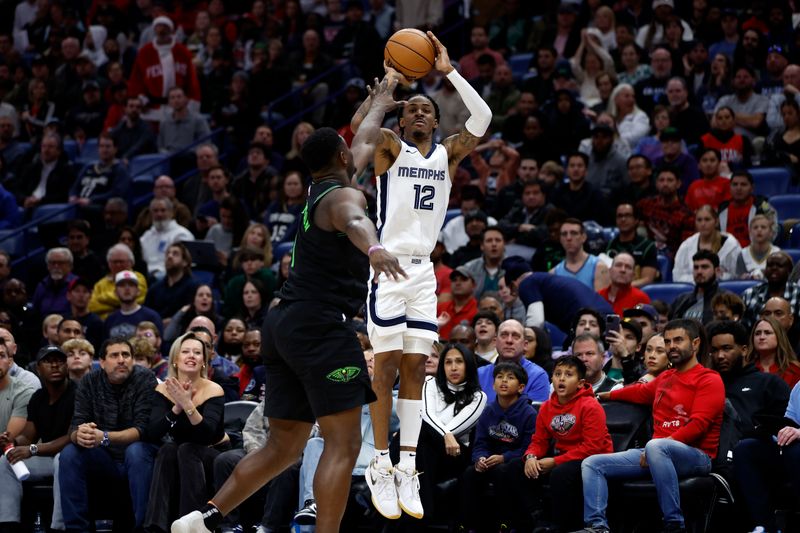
(460, 146)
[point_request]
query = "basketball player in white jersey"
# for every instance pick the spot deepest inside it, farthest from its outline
(414, 180)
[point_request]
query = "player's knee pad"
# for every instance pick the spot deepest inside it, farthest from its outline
(417, 345)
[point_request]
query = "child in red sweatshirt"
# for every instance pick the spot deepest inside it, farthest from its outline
(573, 424)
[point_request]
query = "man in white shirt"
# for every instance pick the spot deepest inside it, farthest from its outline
(161, 234)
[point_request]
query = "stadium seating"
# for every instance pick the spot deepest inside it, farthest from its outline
(794, 253)
(771, 182)
(738, 286)
(664, 268)
(667, 292)
(150, 165)
(520, 64)
(55, 213)
(451, 214)
(557, 336)
(786, 205)
(279, 250)
(12, 241)
(88, 152)
(71, 150)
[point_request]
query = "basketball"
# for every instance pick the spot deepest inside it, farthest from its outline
(410, 52)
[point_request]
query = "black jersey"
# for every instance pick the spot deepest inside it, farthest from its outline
(326, 267)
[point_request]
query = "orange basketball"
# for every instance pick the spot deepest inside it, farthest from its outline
(410, 52)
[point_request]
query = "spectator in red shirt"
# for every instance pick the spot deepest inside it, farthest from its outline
(687, 402)
(711, 189)
(621, 294)
(462, 307)
(442, 272)
(479, 38)
(735, 215)
(667, 219)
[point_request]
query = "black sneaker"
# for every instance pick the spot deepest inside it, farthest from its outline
(307, 516)
(673, 527)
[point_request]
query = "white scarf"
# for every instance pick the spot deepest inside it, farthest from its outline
(167, 65)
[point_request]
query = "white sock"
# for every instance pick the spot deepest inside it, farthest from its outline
(410, 414)
(408, 460)
(384, 462)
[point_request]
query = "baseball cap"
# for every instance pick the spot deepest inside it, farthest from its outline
(463, 271)
(126, 275)
(568, 7)
(79, 281)
(645, 310)
(91, 85)
(670, 134)
(659, 3)
(48, 351)
(563, 70)
(632, 326)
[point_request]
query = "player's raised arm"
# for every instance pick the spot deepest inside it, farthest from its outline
(461, 144)
(368, 135)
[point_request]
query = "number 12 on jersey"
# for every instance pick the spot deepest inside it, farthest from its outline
(423, 197)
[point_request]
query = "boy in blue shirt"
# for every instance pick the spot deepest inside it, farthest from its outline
(504, 430)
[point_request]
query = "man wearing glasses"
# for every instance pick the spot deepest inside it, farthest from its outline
(112, 409)
(51, 294)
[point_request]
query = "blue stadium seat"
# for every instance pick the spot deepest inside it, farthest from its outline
(667, 292)
(147, 165)
(794, 237)
(738, 286)
(786, 205)
(450, 215)
(610, 233)
(71, 149)
(279, 250)
(142, 185)
(794, 253)
(89, 152)
(665, 268)
(12, 241)
(771, 181)
(204, 276)
(520, 64)
(60, 212)
(557, 336)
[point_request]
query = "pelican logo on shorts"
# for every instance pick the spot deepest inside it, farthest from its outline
(344, 374)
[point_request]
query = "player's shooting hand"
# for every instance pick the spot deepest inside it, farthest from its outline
(394, 74)
(442, 63)
(383, 262)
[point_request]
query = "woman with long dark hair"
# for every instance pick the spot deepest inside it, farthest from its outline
(202, 304)
(453, 402)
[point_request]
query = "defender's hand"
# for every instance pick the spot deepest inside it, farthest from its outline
(383, 262)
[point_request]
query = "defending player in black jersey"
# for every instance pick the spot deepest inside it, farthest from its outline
(315, 365)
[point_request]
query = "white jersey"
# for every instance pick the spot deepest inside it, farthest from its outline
(413, 196)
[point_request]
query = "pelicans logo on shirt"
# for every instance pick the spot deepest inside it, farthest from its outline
(561, 424)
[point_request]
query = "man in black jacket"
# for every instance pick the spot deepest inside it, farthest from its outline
(752, 392)
(47, 179)
(697, 303)
(112, 409)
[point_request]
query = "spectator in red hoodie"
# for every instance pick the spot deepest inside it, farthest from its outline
(573, 424)
(687, 405)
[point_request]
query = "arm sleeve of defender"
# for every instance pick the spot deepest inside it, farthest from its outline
(480, 114)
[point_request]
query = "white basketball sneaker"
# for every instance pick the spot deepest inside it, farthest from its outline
(407, 483)
(384, 495)
(190, 523)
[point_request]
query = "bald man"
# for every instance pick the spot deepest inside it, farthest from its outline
(17, 372)
(791, 84)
